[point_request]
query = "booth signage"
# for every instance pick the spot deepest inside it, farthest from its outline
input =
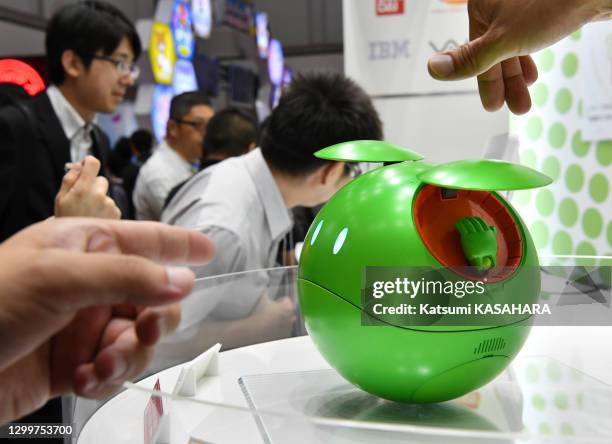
(387, 44)
(161, 53)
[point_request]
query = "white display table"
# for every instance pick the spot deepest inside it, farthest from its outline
(121, 419)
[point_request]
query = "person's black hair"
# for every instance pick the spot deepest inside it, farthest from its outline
(316, 111)
(229, 133)
(87, 28)
(120, 156)
(142, 141)
(11, 93)
(262, 127)
(182, 104)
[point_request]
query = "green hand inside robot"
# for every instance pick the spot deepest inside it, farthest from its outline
(478, 241)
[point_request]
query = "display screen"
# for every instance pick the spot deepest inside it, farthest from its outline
(207, 74)
(202, 17)
(263, 36)
(184, 40)
(184, 77)
(161, 53)
(160, 110)
(275, 62)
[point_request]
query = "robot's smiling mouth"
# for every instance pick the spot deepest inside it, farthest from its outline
(462, 228)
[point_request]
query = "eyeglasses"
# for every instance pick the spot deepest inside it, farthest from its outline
(123, 68)
(199, 125)
(352, 169)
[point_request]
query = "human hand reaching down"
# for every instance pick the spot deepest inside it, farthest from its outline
(502, 35)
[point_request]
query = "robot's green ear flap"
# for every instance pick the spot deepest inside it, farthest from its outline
(367, 151)
(486, 175)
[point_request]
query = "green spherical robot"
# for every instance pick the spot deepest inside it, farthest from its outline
(415, 214)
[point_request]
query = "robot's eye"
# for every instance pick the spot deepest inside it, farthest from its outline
(340, 240)
(316, 233)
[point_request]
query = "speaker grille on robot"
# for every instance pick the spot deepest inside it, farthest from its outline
(490, 345)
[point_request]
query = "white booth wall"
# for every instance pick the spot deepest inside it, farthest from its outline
(386, 53)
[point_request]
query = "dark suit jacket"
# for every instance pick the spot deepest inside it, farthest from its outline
(33, 152)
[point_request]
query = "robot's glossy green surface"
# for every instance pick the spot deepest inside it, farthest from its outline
(367, 151)
(402, 364)
(484, 175)
(371, 222)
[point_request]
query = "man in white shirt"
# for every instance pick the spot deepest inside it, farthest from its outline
(176, 158)
(242, 204)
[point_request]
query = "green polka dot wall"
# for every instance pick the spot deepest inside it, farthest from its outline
(568, 212)
(579, 146)
(563, 100)
(552, 167)
(540, 94)
(569, 66)
(557, 135)
(604, 153)
(573, 215)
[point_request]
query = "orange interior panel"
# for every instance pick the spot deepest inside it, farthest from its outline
(435, 217)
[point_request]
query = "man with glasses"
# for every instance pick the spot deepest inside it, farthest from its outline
(176, 158)
(91, 49)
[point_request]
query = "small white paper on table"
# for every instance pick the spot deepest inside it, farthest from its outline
(207, 364)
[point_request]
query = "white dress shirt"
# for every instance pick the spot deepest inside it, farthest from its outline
(77, 131)
(238, 205)
(159, 174)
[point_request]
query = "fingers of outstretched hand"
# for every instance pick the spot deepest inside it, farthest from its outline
(156, 241)
(491, 88)
(529, 68)
(75, 280)
(159, 242)
(120, 361)
(125, 349)
(507, 82)
(123, 359)
(154, 323)
(516, 93)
